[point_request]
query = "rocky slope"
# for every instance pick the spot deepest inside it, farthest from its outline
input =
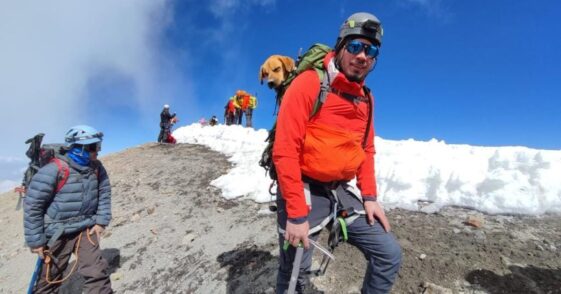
(173, 233)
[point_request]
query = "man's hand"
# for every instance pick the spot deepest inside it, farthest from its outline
(375, 212)
(296, 233)
(98, 230)
(39, 251)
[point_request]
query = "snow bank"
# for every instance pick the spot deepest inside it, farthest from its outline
(497, 180)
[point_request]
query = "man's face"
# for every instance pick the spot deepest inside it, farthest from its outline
(355, 66)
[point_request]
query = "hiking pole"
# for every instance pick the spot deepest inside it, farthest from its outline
(35, 275)
(295, 268)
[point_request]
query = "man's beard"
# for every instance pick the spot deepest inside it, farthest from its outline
(351, 77)
(355, 78)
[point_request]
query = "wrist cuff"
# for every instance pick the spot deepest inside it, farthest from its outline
(370, 198)
(298, 220)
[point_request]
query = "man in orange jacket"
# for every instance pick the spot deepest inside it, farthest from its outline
(242, 102)
(252, 104)
(230, 112)
(316, 157)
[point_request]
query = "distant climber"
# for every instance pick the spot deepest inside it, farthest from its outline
(213, 121)
(244, 104)
(165, 124)
(203, 121)
(241, 102)
(249, 111)
(230, 112)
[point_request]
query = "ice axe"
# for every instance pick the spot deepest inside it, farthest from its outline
(21, 191)
(298, 261)
(295, 267)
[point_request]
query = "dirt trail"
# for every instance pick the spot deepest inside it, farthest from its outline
(173, 233)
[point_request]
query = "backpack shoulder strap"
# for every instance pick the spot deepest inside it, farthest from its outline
(63, 173)
(323, 90)
(370, 110)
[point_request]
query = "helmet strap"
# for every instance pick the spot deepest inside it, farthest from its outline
(337, 61)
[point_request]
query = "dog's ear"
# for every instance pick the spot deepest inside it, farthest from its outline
(262, 73)
(288, 63)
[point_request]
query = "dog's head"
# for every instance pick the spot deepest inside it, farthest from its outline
(276, 69)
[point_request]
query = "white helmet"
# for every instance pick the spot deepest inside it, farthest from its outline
(166, 106)
(82, 135)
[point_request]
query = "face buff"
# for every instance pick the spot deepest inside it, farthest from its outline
(79, 155)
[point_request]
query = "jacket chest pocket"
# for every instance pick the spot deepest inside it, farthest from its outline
(89, 192)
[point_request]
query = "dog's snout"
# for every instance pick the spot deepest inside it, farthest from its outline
(271, 84)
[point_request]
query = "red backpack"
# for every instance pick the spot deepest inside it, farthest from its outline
(170, 139)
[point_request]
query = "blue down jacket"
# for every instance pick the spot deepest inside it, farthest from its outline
(85, 200)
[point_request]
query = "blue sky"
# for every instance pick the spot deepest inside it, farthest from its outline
(483, 73)
(468, 72)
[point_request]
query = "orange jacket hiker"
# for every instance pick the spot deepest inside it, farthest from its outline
(231, 106)
(326, 147)
(242, 101)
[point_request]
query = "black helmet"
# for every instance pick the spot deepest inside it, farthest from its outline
(360, 24)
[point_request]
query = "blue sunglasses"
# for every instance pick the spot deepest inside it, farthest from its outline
(355, 47)
(93, 147)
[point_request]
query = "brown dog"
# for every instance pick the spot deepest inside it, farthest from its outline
(276, 69)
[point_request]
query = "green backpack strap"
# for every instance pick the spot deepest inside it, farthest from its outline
(323, 90)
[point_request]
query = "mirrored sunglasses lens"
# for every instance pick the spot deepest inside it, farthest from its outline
(372, 51)
(354, 47)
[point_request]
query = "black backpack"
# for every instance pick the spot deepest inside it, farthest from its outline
(40, 155)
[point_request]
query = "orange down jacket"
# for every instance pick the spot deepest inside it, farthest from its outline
(325, 147)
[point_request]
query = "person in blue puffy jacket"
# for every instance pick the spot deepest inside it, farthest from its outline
(66, 209)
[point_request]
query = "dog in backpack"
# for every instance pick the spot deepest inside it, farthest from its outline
(276, 69)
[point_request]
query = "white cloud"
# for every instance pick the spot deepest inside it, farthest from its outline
(52, 50)
(11, 159)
